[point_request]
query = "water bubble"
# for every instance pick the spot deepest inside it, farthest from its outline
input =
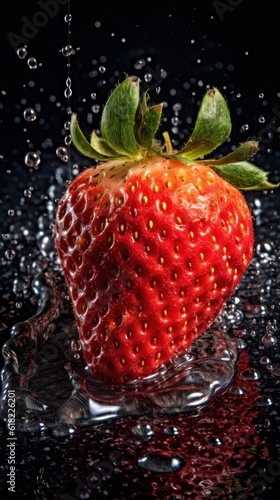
(93, 95)
(261, 119)
(10, 254)
(22, 52)
(161, 463)
(32, 62)
(245, 126)
(102, 69)
(29, 114)
(68, 18)
(32, 159)
(11, 212)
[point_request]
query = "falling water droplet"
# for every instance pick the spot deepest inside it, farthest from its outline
(32, 159)
(67, 51)
(10, 254)
(67, 92)
(29, 114)
(68, 18)
(148, 77)
(22, 52)
(32, 63)
(62, 153)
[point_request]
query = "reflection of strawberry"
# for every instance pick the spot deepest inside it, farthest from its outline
(220, 449)
(151, 242)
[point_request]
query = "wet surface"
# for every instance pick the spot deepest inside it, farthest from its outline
(72, 440)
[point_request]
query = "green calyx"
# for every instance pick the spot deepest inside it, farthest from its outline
(128, 132)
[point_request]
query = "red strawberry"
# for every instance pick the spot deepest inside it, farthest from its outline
(153, 242)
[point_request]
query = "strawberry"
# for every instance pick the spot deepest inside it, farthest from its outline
(152, 242)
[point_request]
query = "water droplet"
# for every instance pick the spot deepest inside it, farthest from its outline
(261, 119)
(251, 374)
(32, 159)
(68, 140)
(29, 114)
(269, 339)
(213, 441)
(140, 64)
(22, 52)
(62, 153)
(245, 126)
(67, 51)
(68, 18)
(264, 360)
(161, 463)
(11, 212)
(68, 92)
(27, 193)
(237, 391)
(32, 63)
(95, 109)
(10, 254)
(172, 431)
(76, 345)
(274, 370)
(145, 431)
(148, 77)
(264, 401)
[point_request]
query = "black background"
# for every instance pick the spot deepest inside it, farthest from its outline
(236, 42)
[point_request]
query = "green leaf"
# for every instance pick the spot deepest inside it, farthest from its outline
(212, 127)
(119, 116)
(100, 145)
(81, 142)
(148, 123)
(243, 152)
(244, 176)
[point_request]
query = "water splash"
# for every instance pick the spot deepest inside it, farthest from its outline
(55, 390)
